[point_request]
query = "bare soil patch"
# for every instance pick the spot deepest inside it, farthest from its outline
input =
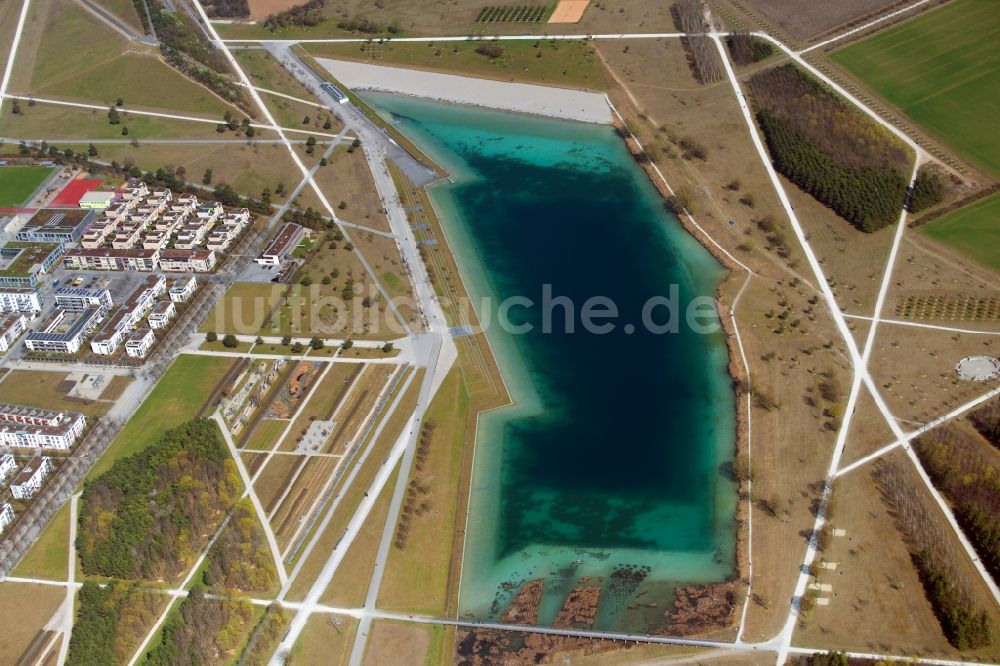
(807, 18)
(569, 11)
(261, 9)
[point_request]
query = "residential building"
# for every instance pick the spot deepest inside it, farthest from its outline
(135, 189)
(56, 225)
(78, 299)
(29, 481)
(182, 289)
(7, 466)
(23, 300)
(55, 338)
(140, 342)
(187, 261)
(97, 200)
(161, 314)
(120, 326)
(22, 263)
(105, 259)
(11, 328)
(6, 516)
(282, 244)
(36, 428)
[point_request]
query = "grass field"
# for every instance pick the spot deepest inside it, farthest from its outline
(49, 556)
(972, 230)
(24, 611)
(54, 123)
(18, 182)
(177, 398)
(943, 70)
(266, 435)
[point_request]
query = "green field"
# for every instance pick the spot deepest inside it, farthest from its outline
(178, 397)
(974, 231)
(17, 183)
(943, 70)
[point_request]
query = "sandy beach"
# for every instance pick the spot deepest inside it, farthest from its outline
(521, 97)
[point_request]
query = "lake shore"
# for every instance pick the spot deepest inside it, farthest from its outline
(529, 98)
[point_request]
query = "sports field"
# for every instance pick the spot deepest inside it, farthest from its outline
(943, 70)
(973, 231)
(18, 182)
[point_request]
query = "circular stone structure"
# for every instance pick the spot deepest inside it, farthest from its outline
(978, 368)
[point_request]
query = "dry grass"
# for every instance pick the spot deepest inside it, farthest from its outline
(347, 178)
(39, 388)
(396, 644)
(805, 18)
(24, 611)
(326, 640)
(115, 387)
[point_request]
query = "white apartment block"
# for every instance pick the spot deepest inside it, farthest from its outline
(161, 314)
(140, 342)
(31, 478)
(6, 516)
(22, 300)
(135, 189)
(106, 259)
(78, 299)
(34, 428)
(7, 466)
(182, 289)
(119, 327)
(11, 328)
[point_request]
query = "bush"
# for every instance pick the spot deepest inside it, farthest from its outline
(211, 336)
(747, 49)
(307, 14)
(491, 50)
(230, 341)
(928, 190)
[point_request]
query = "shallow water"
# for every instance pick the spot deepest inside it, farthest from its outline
(609, 463)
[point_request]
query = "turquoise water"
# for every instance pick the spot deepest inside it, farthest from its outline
(610, 463)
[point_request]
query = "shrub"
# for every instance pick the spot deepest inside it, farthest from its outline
(928, 190)
(491, 50)
(211, 336)
(230, 341)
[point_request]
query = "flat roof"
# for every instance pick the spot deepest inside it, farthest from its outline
(110, 252)
(84, 320)
(56, 219)
(279, 244)
(32, 253)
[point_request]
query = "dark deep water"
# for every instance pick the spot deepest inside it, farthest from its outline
(612, 454)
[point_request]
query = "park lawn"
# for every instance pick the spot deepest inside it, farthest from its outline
(56, 123)
(416, 579)
(266, 435)
(18, 182)
(114, 388)
(265, 71)
(249, 168)
(48, 558)
(350, 583)
(177, 398)
(142, 82)
(942, 69)
(54, 49)
(217, 346)
(974, 231)
(572, 64)
(40, 388)
(326, 639)
(126, 11)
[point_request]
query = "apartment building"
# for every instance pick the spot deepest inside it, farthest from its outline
(24, 300)
(36, 428)
(6, 516)
(140, 342)
(187, 261)
(106, 259)
(29, 481)
(11, 328)
(57, 339)
(7, 466)
(78, 299)
(183, 289)
(161, 314)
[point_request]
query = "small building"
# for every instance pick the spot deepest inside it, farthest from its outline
(140, 342)
(78, 299)
(7, 466)
(334, 92)
(29, 481)
(107, 259)
(24, 300)
(182, 289)
(282, 244)
(56, 225)
(96, 200)
(161, 315)
(11, 328)
(55, 338)
(6, 516)
(135, 189)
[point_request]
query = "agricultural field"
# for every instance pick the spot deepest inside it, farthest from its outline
(973, 231)
(17, 183)
(513, 14)
(942, 69)
(804, 19)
